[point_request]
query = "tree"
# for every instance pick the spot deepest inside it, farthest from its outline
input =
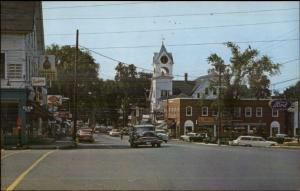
(292, 92)
(246, 75)
(87, 77)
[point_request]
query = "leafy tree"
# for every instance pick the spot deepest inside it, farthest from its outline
(292, 92)
(87, 77)
(246, 75)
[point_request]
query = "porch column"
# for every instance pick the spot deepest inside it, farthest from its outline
(248, 129)
(215, 130)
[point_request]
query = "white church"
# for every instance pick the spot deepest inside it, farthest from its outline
(163, 86)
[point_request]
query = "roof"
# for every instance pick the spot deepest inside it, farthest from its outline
(162, 49)
(17, 16)
(181, 87)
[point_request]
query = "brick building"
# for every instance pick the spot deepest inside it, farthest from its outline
(245, 116)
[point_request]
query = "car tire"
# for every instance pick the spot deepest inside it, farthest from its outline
(158, 145)
(153, 145)
(166, 141)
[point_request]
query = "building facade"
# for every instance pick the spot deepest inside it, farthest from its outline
(22, 43)
(243, 117)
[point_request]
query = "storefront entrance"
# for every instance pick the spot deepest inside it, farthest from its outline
(188, 126)
(274, 128)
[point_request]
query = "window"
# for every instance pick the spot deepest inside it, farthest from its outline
(214, 91)
(237, 112)
(164, 93)
(246, 138)
(189, 111)
(204, 111)
(14, 71)
(259, 112)
(2, 67)
(206, 91)
(248, 111)
(198, 95)
(274, 113)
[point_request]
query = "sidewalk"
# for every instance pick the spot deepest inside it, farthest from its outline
(213, 144)
(63, 143)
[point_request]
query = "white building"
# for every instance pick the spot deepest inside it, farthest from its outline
(163, 86)
(22, 43)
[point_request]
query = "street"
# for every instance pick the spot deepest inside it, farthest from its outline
(110, 164)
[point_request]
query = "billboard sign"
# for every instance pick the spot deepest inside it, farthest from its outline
(38, 81)
(279, 104)
(47, 67)
(54, 100)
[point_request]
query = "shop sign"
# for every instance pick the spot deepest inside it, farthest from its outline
(47, 67)
(38, 81)
(63, 114)
(54, 100)
(206, 119)
(279, 104)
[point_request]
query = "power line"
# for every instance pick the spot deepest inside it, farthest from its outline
(144, 69)
(171, 15)
(194, 44)
(285, 81)
(104, 5)
(174, 29)
(289, 61)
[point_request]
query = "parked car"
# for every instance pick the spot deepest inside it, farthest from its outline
(114, 133)
(279, 135)
(85, 135)
(144, 135)
(253, 141)
(162, 134)
(194, 137)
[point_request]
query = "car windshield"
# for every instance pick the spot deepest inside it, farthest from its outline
(145, 128)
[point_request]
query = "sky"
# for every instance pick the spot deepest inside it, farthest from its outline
(131, 31)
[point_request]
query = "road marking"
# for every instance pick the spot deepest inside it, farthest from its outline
(22, 176)
(5, 156)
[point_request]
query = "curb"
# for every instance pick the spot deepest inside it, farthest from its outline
(287, 147)
(38, 147)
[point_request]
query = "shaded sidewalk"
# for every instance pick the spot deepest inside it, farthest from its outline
(63, 143)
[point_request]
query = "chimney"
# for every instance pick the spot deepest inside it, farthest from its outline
(185, 77)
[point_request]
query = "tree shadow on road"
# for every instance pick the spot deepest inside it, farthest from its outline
(114, 146)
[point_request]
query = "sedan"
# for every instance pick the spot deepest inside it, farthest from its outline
(162, 135)
(253, 141)
(85, 135)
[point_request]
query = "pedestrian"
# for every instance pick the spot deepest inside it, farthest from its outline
(121, 135)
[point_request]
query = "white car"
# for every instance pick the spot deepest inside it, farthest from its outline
(114, 133)
(187, 136)
(162, 135)
(253, 141)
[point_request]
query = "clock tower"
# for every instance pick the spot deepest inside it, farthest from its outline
(161, 85)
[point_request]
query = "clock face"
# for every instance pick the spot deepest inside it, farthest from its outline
(164, 59)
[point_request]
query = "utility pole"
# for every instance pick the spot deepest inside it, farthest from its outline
(219, 108)
(75, 89)
(298, 118)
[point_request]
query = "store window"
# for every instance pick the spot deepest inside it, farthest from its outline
(2, 67)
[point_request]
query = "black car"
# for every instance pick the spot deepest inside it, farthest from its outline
(144, 135)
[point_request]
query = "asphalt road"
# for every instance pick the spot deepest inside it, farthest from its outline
(110, 164)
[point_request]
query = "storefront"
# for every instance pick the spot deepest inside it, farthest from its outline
(13, 115)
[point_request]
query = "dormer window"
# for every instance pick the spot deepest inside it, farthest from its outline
(164, 59)
(206, 91)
